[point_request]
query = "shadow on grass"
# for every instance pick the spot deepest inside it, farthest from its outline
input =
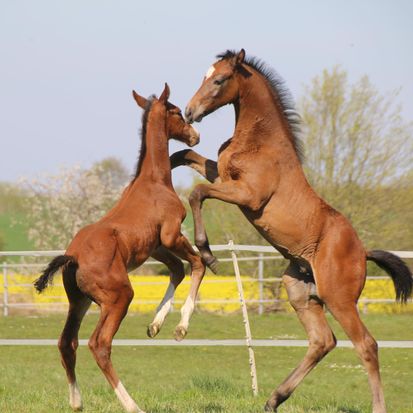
(348, 410)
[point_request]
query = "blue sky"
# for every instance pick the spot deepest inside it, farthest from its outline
(67, 68)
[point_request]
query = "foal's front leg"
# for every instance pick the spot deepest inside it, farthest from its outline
(174, 241)
(184, 250)
(204, 166)
(177, 274)
(234, 192)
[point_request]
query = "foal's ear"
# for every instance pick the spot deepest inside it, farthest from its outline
(165, 94)
(140, 100)
(240, 57)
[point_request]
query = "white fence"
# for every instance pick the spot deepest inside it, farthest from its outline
(263, 253)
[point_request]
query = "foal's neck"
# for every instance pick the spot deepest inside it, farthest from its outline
(156, 165)
(259, 116)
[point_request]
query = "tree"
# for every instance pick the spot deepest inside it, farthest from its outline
(112, 171)
(59, 205)
(353, 134)
(358, 152)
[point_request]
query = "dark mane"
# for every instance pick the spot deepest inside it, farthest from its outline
(281, 94)
(142, 151)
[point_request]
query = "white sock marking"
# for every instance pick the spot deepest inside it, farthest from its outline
(186, 312)
(75, 400)
(165, 305)
(127, 401)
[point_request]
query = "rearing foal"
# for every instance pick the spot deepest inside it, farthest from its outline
(146, 221)
(259, 170)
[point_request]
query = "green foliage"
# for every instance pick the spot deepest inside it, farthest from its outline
(13, 231)
(353, 134)
(359, 156)
(112, 172)
(13, 220)
(12, 198)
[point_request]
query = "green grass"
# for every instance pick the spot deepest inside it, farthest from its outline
(204, 325)
(200, 379)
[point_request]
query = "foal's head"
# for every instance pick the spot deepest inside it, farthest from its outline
(176, 127)
(219, 87)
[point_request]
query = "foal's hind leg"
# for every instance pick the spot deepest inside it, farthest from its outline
(301, 291)
(366, 347)
(177, 274)
(114, 303)
(68, 342)
(348, 273)
(346, 313)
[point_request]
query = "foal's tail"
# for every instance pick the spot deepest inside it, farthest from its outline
(397, 269)
(65, 261)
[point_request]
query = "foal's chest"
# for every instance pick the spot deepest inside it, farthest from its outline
(230, 162)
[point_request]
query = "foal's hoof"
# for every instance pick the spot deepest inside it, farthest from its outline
(269, 407)
(153, 330)
(180, 333)
(212, 263)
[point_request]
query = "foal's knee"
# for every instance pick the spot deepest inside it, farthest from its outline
(322, 345)
(195, 197)
(101, 352)
(368, 349)
(67, 346)
(198, 265)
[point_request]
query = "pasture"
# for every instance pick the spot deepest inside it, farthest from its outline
(201, 379)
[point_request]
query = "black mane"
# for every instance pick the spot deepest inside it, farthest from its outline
(142, 151)
(281, 94)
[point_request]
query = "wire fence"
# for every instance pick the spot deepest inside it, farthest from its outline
(16, 286)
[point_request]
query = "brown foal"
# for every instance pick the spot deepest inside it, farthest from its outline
(259, 170)
(145, 221)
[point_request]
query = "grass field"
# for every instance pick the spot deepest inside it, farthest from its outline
(201, 379)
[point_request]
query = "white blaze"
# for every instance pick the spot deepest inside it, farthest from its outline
(210, 72)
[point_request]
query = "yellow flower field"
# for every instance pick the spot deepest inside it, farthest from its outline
(149, 291)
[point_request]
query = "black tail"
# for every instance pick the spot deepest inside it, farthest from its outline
(397, 269)
(47, 276)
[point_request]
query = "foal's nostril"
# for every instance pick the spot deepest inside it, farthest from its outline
(194, 140)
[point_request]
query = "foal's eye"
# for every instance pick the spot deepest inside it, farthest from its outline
(219, 81)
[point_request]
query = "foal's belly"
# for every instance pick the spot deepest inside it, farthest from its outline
(286, 234)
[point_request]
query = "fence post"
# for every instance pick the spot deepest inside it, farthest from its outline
(248, 338)
(5, 291)
(260, 283)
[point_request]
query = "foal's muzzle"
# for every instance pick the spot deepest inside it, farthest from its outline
(194, 139)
